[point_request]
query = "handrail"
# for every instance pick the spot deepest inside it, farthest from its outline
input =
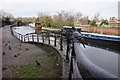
(85, 65)
(87, 68)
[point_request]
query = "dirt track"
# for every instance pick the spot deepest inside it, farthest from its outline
(0, 53)
(15, 53)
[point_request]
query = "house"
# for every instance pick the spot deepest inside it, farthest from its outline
(114, 21)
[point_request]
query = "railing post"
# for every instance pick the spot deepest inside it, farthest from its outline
(11, 30)
(21, 38)
(55, 39)
(71, 62)
(61, 42)
(48, 37)
(67, 57)
(73, 50)
(32, 38)
(24, 38)
(43, 36)
(28, 38)
(71, 69)
(37, 38)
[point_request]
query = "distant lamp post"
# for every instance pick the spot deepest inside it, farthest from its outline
(101, 28)
(99, 25)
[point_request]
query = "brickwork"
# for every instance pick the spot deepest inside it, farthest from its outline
(102, 30)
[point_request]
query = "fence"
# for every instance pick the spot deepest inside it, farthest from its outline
(79, 65)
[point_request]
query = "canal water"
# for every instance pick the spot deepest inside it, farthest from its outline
(24, 30)
(102, 57)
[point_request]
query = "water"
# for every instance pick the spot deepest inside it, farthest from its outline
(24, 30)
(108, 60)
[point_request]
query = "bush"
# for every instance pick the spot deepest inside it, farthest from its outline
(93, 23)
(5, 21)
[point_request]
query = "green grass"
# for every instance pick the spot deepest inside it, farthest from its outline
(29, 71)
(50, 67)
(33, 71)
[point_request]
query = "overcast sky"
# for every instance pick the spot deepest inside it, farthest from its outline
(25, 8)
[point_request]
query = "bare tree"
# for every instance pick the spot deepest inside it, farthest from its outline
(97, 16)
(78, 16)
(5, 14)
(65, 17)
(5, 18)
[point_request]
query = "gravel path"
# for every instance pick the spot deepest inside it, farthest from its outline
(0, 53)
(14, 53)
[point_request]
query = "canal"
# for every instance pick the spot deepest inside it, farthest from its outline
(103, 56)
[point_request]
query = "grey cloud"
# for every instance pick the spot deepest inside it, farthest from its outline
(32, 7)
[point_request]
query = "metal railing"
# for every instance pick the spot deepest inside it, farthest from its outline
(79, 65)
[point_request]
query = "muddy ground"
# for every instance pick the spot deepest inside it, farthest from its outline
(16, 54)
